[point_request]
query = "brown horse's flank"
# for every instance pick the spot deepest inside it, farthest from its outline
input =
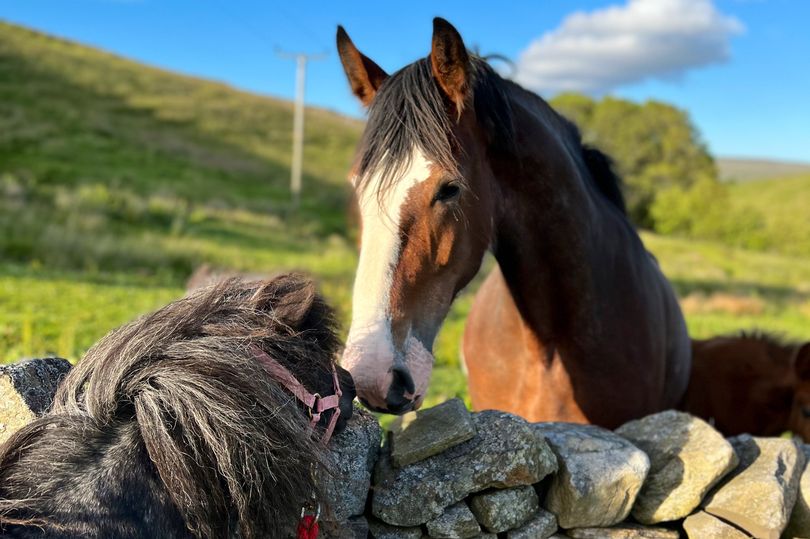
(577, 323)
(752, 382)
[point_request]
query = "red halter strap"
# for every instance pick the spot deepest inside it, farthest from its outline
(313, 401)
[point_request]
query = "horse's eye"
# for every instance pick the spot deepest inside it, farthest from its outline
(447, 192)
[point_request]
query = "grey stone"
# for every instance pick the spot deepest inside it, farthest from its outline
(599, 478)
(702, 525)
(381, 530)
(26, 391)
(541, 526)
(352, 455)
(687, 458)
(353, 528)
(502, 510)
(418, 435)
(358, 526)
(799, 524)
(457, 522)
(760, 493)
(504, 453)
(623, 531)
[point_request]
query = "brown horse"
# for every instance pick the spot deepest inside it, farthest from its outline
(577, 324)
(751, 382)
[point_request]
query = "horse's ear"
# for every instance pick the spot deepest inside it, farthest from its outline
(365, 76)
(450, 62)
(803, 362)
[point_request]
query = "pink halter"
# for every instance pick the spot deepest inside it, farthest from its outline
(313, 401)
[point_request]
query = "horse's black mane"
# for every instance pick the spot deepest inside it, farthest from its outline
(410, 111)
(607, 181)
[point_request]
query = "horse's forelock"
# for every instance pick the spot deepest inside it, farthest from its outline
(410, 114)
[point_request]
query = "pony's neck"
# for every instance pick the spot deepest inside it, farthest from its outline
(550, 224)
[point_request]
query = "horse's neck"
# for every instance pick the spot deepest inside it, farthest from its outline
(551, 230)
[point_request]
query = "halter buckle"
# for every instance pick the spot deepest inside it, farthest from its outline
(314, 410)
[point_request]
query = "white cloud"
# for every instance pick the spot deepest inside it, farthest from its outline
(600, 50)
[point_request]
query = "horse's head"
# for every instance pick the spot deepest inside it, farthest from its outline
(800, 412)
(422, 179)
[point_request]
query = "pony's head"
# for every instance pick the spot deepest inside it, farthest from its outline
(423, 181)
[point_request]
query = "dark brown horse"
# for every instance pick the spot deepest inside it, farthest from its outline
(752, 382)
(576, 324)
(173, 426)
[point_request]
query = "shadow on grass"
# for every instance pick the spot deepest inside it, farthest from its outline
(771, 293)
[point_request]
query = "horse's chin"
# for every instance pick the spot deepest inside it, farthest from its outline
(346, 399)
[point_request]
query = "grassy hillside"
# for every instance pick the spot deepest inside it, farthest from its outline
(744, 170)
(784, 203)
(117, 180)
(94, 146)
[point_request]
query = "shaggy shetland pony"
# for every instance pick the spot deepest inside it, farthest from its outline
(171, 427)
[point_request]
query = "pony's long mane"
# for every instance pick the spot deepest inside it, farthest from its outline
(778, 346)
(410, 111)
(170, 424)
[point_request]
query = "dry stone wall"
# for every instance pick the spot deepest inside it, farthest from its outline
(447, 473)
(26, 391)
(665, 476)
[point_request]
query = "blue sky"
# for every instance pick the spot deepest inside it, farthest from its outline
(742, 70)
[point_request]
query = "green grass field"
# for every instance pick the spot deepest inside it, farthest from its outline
(118, 180)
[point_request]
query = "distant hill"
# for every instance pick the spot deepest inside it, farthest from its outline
(107, 164)
(744, 170)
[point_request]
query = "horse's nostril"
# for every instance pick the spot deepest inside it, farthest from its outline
(397, 400)
(402, 381)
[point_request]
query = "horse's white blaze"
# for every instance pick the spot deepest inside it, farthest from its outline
(370, 333)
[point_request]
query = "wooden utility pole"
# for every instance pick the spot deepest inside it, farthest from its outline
(301, 60)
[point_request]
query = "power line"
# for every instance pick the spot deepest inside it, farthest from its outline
(261, 35)
(303, 27)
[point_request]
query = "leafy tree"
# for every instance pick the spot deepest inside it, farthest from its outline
(705, 210)
(654, 146)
